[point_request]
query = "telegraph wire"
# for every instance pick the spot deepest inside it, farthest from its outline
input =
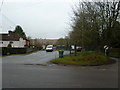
(10, 21)
(4, 19)
(1, 15)
(7, 23)
(1, 5)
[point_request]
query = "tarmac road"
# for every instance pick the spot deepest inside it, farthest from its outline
(41, 57)
(19, 73)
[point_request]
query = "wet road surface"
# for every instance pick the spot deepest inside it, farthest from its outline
(17, 73)
(41, 57)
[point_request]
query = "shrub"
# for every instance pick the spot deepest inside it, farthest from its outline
(6, 50)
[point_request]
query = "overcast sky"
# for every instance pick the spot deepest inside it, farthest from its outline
(38, 18)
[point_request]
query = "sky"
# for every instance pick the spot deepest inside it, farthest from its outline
(47, 19)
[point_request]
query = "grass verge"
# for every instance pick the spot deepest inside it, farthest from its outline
(84, 59)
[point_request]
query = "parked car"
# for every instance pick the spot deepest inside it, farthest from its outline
(49, 48)
(78, 48)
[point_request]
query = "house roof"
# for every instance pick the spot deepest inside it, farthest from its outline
(9, 37)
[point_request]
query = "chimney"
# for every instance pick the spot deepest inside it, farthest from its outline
(10, 32)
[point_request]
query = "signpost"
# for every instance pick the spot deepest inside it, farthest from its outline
(106, 50)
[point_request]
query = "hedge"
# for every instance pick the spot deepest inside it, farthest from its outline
(5, 50)
(114, 52)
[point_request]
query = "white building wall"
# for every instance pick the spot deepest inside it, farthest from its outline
(22, 42)
(19, 44)
(4, 43)
(15, 44)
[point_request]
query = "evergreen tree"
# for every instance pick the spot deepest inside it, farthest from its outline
(18, 30)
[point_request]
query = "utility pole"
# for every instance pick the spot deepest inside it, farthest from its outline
(82, 26)
(75, 50)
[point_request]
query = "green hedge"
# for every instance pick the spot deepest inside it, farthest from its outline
(0, 51)
(5, 50)
(114, 52)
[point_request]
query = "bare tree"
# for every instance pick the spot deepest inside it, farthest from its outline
(94, 23)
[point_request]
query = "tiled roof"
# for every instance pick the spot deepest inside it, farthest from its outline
(9, 37)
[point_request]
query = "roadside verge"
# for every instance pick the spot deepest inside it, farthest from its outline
(85, 59)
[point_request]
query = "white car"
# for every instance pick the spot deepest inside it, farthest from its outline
(49, 48)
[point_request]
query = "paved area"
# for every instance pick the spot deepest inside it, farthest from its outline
(18, 74)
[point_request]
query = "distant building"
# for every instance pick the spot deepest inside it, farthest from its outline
(14, 39)
(48, 41)
(44, 42)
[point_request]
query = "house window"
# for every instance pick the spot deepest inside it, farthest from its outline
(11, 42)
(1, 42)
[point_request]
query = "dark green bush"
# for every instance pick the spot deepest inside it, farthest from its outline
(6, 50)
(114, 52)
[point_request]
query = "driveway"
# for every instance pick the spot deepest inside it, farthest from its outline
(19, 73)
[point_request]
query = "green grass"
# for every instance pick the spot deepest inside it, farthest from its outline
(84, 58)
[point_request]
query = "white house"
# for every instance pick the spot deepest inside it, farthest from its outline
(14, 39)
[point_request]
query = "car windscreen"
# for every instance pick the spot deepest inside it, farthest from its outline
(49, 46)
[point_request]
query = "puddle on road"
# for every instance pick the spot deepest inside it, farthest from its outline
(37, 64)
(50, 65)
(41, 64)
